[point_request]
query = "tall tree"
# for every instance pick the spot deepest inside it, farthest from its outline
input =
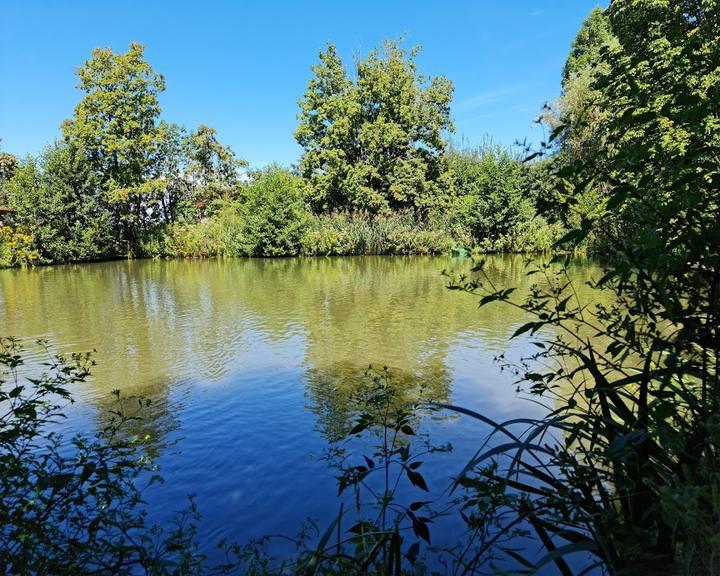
(8, 166)
(212, 169)
(116, 126)
(375, 142)
(579, 113)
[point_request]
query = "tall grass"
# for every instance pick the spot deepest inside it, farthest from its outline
(349, 233)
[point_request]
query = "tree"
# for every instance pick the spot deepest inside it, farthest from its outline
(634, 385)
(577, 121)
(212, 169)
(116, 126)
(376, 142)
(60, 199)
(579, 116)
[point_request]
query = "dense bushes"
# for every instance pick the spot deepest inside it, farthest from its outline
(273, 214)
(55, 198)
(230, 234)
(16, 247)
(270, 217)
(495, 201)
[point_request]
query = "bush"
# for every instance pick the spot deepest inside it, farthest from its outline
(59, 199)
(495, 198)
(16, 247)
(217, 236)
(273, 214)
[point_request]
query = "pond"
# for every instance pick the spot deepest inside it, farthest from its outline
(250, 364)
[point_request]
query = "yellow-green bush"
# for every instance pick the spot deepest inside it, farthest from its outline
(16, 247)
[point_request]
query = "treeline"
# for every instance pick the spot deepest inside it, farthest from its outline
(378, 174)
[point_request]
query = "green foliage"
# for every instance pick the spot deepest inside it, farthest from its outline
(16, 247)
(57, 198)
(374, 142)
(273, 214)
(8, 165)
(72, 506)
(495, 196)
(116, 127)
(632, 477)
(586, 51)
(362, 233)
(212, 169)
(217, 236)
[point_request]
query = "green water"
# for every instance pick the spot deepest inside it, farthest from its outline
(250, 364)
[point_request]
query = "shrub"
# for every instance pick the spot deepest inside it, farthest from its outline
(57, 197)
(273, 214)
(16, 247)
(495, 197)
(219, 235)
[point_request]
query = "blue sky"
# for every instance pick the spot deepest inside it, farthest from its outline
(242, 66)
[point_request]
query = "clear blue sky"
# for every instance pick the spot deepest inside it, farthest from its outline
(241, 66)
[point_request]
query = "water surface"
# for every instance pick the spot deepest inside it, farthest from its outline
(250, 364)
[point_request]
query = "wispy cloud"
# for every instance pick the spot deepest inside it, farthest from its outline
(489, 97)
(530, 112)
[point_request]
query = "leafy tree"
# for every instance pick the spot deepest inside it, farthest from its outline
(374, 142)
(59, 198)
(577, 114)
(634, 386)
(212, 169)
(116, 126)
(273, 214)
(168, 197)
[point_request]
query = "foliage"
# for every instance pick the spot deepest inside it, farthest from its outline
(362, 233)
(74, 507)
(16, 247)
(57, 198)
(212, 169)
(116, 127)
(632, 474)
(272, 214)
(495, 196)
(374, 142)
(8, 165)
(577, 122)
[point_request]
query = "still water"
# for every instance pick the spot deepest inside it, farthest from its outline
(250, 364)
